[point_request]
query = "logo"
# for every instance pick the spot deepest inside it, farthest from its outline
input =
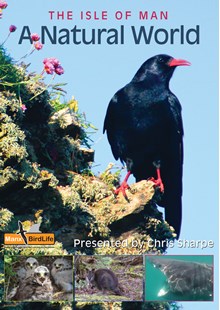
(22, 237)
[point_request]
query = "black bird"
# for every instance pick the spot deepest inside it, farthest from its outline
(22, 232)
(145, 131)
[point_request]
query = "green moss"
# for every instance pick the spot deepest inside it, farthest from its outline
(5, 216)
(10, 77)
(112, 179)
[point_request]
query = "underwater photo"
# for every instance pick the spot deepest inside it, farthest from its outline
(179, 277)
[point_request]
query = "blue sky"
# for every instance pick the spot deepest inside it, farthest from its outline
(95, 72)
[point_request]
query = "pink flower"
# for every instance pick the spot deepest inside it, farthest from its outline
(49, 68)
(35, 37)
(3, 5)
(38, 45)
(59, 70)
(52, 65)
(54, 61)
(23, 107)
(12, 28)
(46, 60)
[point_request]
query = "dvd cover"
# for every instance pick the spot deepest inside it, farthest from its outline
(109, 154)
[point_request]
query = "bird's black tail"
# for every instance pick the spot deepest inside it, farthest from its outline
(173, 211)
(171, 200)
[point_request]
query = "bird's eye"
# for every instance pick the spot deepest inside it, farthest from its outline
(161, 60)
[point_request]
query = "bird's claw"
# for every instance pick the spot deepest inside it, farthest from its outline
(158, 183)
(122, 188)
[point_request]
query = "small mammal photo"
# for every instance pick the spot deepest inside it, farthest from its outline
(109, 278)
(104, 279)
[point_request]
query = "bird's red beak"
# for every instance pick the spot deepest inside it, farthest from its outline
(178, 62)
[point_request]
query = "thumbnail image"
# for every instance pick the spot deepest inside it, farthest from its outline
(109, 278)
(39, 278)
(179, 277)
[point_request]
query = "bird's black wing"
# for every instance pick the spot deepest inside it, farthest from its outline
(172, 172)
(24, 237)
(22, 232)
(112, 125)
(176, 109)
(20, 226)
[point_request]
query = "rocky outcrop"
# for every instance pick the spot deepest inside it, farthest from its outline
(46, 180)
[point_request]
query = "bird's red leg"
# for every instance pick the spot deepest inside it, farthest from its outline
(158, 182)
(124, 185)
